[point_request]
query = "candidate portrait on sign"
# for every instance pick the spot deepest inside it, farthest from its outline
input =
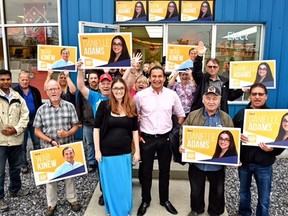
(64, 63)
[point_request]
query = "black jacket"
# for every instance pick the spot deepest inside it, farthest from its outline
(202, 81)
(36, 97)
(254, 154)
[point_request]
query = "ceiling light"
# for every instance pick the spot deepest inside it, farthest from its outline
(154, 31)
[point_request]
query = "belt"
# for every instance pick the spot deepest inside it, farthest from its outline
(155, 135)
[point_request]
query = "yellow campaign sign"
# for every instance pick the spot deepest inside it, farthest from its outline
(177, 57)
(159, 10)
(57, 163)
(246, 73)
(190, 10)
(131, 11)
(105, 50)
(58, 58)
(266, 125)
(211, 145)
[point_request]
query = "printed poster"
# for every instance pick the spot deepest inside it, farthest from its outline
(58, 58)
(245, 73)
(105, 50)
(178, 58)
(211, 145)
(131, 11)
(58, 163)
(197, 10)
(266, 125)
(164, 11)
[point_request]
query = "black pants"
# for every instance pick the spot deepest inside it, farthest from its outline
(197, 180)
(161, 145)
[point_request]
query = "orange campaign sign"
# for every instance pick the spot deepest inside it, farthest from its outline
(163, 10)
(131, 11)
(245, 73)
(177, 57)
(105, 50)
(197, 10)
(211, 145)
(57, 163)
(58, 58)
(266, 125)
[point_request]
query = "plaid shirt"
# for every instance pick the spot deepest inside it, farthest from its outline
(52, 119)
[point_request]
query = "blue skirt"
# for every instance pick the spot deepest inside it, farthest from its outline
(116, 182)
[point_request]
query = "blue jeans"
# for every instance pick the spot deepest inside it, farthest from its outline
(13, 155)
(35, 141)
(263, 178)
(88, 139)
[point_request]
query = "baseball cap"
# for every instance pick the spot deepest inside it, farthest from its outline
(212, 90)
(105, 76)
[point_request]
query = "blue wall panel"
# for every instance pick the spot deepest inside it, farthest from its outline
(269, 12)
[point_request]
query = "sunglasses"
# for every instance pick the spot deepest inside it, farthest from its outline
(259, 94)
(212, 66)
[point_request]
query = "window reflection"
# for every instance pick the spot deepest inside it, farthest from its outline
(22, 44)
(23, 11)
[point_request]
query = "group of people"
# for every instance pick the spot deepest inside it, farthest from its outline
(131, 110)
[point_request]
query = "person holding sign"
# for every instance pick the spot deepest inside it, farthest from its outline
(119, 52)
(211, 77)
(205, 13)
(225, 146)
(116, 126)
(139, 12)
(55, 123)
(264, 75)
(211, 116)
(256, 161)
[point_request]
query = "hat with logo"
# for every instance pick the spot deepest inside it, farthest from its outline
(212, 90)
(105, 76)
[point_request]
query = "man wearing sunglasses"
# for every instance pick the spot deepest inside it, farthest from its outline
(256, 161)
(211, 78)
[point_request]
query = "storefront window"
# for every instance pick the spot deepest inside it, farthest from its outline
(191, 35)
(237, 43)
(22, 45)
(25, 11)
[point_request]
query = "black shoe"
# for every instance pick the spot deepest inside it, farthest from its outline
(169, 207)
(101, 200)
(24, 169)
(92, 168)
(142, 209)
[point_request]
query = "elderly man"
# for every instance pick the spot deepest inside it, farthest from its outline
(33, 100)
(55, 124)
(14, 118)
(155, 105)
(211, 77)
(210, 116)
(256, 161)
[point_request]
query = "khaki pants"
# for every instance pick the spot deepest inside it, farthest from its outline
(51, 192)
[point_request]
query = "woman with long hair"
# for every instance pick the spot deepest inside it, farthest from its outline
(172, 11)
(264, 75)
(139, 10)
(205, 11)
(225, 146)
(114, 130)
(119, 50)
(283, 129)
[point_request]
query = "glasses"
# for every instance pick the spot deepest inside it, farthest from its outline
(117, 44)
(118, 89)
(262, 68)
(204, 5)
(52, 89)
(212, 66)
(224, 139)
(138, 6)
(259, 94)
(284, 121)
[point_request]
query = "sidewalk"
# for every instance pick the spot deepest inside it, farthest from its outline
(179, 195)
